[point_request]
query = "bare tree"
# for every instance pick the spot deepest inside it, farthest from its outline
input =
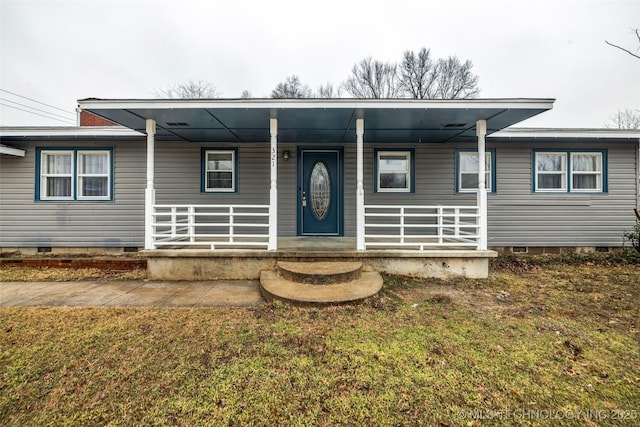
(625, 119)
(454, 80)
(245, 94)
(417, 74)
(191, 90)
(292, 87)
(373, 79)
(328, 91)
(637, 33)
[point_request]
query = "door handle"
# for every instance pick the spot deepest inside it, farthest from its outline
(304, 199)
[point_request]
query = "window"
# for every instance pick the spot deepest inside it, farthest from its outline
(467, 171)
(93, 174)
(586, 171)
(56, 179)
(551, 171)
(394, 171)
(570, 171)
(220, 170)
(74, 174)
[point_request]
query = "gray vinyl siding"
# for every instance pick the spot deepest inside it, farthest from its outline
(516, 215)
(25, 222)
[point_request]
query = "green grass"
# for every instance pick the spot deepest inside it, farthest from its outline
(534, 337)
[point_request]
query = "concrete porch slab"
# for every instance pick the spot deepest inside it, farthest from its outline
(195, 264)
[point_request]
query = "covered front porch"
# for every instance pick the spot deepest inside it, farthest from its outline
(321, 144)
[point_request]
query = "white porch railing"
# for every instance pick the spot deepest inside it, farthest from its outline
(421, 227)
(211, 226)
(247, 226)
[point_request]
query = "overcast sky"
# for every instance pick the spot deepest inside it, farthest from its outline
(57, 52)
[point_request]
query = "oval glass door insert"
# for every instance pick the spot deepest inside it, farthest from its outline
(320, 191)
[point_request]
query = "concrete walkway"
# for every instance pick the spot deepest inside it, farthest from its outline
(221, 293)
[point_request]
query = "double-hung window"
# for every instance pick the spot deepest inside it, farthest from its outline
(74, 174)
(586, 172)
(551, 172)
(93, 174)
(394, 171)
(220, 169)
(467, 171)
(570, 171)
(56, 175)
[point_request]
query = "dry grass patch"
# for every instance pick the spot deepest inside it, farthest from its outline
(33, 274)
(557, 338)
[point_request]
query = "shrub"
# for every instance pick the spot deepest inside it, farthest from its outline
(633, 236)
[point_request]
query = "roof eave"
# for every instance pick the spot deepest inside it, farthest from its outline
(310, 103)
(556, 133)
(58, 131)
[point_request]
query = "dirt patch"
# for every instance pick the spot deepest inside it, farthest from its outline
(47, 274)
(93, 263)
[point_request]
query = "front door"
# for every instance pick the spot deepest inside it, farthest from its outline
(320, 192)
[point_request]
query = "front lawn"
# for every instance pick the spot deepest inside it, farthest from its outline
(536, 342)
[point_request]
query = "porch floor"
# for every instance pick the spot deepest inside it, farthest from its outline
(308, 245)
(316, 243)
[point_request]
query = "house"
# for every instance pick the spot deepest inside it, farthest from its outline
(202, 184)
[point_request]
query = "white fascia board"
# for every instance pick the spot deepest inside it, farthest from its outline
(566, 133)
(68, 131)
(121, 104)
(10, 151)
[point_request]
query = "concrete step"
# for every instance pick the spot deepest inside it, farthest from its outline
(320, 273)
(273, 287)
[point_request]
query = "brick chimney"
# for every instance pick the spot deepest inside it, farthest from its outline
(90, 119)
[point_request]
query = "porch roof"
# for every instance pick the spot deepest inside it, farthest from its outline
(316, 120)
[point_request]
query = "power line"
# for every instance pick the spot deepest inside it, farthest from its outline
(38, 114)
(34, 108)
(33, 100)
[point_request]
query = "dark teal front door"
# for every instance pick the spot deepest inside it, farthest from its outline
(320, 199)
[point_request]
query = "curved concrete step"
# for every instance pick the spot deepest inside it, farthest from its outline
(274, 287)
(320, 273)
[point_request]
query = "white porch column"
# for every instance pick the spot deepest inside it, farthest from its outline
(273, 192)
(481, 132)
(360, 185)
(150, 192)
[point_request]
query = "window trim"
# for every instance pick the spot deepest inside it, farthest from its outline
(40, 187)
(410, 152)
(569, 172)
(572, 172)
(41, 176)
(565, 171)
(203, 170)
(492, 176)
(78, 187)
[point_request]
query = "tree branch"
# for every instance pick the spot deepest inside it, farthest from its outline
(637, 31)
(623, 49)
